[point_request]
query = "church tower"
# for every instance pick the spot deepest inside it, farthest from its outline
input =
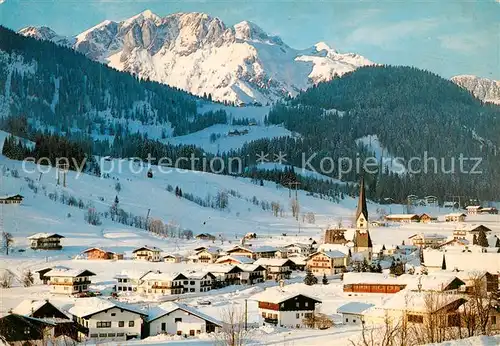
(362, 210)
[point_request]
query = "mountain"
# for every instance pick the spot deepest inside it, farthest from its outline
(200, 54)
(484, 89)
(47, 34)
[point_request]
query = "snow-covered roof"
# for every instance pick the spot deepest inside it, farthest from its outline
(428, 236)
(334, 247)
(249, 267)
(147, 248)
(239, 248)
(401, 216)
(455, 214)
(220, 268)
(331, 254)
(240, 259)
(45, 235)
(163, 276)
(69, 273)
(298, 260)
(468, 261)
(432, 282)
(265, 249)
(277, 295)
(419, 301)
(210, 249)
(272, 261)
(196, 275)
(131, 274)
(28, 306)
(98, 249)
(168, 307)
(355, 308)
(371, 278)
(90, 306)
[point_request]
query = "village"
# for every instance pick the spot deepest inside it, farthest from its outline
(428, 278)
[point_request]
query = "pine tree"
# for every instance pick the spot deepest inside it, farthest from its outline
(310, 279)
(117, 200)
(481, 239)
(443, 265)
(325, 280)
(28, 279)
(383, 247)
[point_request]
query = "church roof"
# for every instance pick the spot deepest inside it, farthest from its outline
(362, 209)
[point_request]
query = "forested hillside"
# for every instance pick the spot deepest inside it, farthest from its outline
(412, 112)
(63, 91)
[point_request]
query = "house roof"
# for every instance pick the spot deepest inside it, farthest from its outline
(277, 295)
(265, 249)
(401, 216)
(132, 274)
(428, 236)
(467, 261)
(45, 235)
(273, 261)
(250, 267)
(455, 214)
(473, 228)
(370, 278)
(419, 301)
(169, 307)
(164, 276)
(240, 259)
(239, 248)
(28, 306)
(330, 254)
(69, 272)
(197, 275)
(98, 249)
(85, 307)
(355, 308)
(147, 248)
(210, 249)
(430, 282)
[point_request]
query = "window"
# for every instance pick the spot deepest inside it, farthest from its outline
(415, 318)
(178, 319)
(264, 314)
(105, 324)
(191, 282)
(66, 288)
(130, 323)
(191, 332)
(120, 334)
(121, 323)
(113, 314)
(306, 304)
(297, 316)
(111, 335)
(94, 335)
(191, 290)
(26, 330)
(103, 335)
(179, 332)
(185, 282)
(347, 320)
(297, 304)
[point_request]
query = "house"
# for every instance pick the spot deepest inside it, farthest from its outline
(265, 252)
(19, 330)
(335, 236)
(327, 262)
(179, 319)
(15, 199)
(162, 283)
(363, 244)
(41, 273)
(129, 281)
(371, 283)
(463, 244)
(362, 210)
(196, 282)
(462, 261)
(276, 268)
(285, 309)
(172, 258)
(472, 229)
(473, 209)
(450, 205)
(297, 249)
(427, 240)
(242, 251)
(251, 273)
(455, 217)
(96, 253)
(234, 260)
(403, 218)
(208, 254)
(426, 218)
(147, 253)
(352, 312)
(205, 236)
(299, 263)
(443, 283)
(488, 210)
(69, 281)
(106, 321)
(225, 274)
(45, 241)
(479, 279)
(48, 312)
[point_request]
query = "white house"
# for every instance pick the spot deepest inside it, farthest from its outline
(103, 320)
(148, 253)
(172, 258)
(298, 249)
(352, 312)
(181, 319)
(285, 309)
(197, 281)
(129, 280)
(276, 268)
(69, 281)
(162, 283)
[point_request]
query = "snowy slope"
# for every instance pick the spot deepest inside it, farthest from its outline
(202, 55)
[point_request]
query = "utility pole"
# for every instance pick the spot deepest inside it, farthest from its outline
(246, 314)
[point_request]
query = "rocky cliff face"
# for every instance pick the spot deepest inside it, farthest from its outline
(485, 89)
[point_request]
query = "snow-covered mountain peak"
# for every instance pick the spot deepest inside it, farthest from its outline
(45, 33)
(140, 17)
(323, 46)
(248, 31)
(484, 89)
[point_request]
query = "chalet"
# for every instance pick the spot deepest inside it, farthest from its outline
(327, 262)
(363, 244)
(69, 281)
(103, 320)
(473, 209)
(234, 260)
(251, 273)
(299, 263)
(265, 252)
(129, 281)
(416, 308)
(276, 268)
(197, 282)
(489, 210)
(427, 240)
(455, 242)
(298, 249)
(96, 253)
(209, 254)
(241, 251)
(46, 311)
(41, 273)
(362, 210)
(147, 253)
(285, 309)
(426, 218)
(403, 218)
(45, 241)
(473, 229)
(352, 312)
(226, 275)
(19, 330)
(179, 319)
(172, 258)
(371, 283)
(15, 199)
(487, 282)
(455, 217)
(335, 236)
(205, 236)
(162, 283)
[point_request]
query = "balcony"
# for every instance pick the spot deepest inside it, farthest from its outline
(271, 320)
(166, 287)
(71, 283)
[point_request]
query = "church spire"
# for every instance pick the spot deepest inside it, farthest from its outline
(362, 209)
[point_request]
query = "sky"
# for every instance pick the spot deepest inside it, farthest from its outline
(448, 37)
